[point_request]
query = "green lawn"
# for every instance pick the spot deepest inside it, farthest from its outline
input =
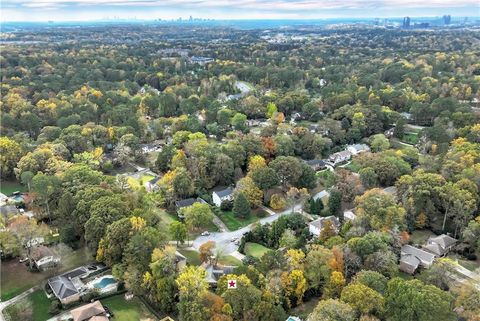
(123, 310)
(234, 223)
(8, 187)
(15, 278)
(353, 166)
(34, 307)
(138, 183)
(193, 257)
(255, 249)
(230, 260)
(469, 265)
(410, 138)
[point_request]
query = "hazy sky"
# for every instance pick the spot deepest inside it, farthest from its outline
(74, 10)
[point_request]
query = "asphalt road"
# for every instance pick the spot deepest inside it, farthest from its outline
(223, 240)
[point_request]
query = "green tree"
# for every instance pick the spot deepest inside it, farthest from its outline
(197, 215)
(332, 310)
(46, 186)
(363, 299)
(178, 231)
(192, 286)
(379, 143)
(414, 301)
(10, 152)
(241, 207)
(335, 202)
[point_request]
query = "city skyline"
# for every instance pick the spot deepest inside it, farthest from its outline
(90, 10)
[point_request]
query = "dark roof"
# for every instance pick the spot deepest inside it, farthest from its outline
(313, 162)
(62, 287)
(225, 192)
(75, 273)
(7, 210)
(185, 202)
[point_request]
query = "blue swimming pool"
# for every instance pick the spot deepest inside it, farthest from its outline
(104, 283)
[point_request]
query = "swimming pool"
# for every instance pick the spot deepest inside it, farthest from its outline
(103, 283)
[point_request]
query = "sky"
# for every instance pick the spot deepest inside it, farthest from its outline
(89, 10)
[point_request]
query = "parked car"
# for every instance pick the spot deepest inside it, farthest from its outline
(206, 233)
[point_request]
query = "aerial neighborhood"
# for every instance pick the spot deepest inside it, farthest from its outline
(216, 173)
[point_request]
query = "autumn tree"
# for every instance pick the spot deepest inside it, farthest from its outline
(192, 287)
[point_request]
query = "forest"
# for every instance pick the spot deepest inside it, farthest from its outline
(106, 130)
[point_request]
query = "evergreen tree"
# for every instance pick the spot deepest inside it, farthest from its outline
(316, 206)
(241, 207)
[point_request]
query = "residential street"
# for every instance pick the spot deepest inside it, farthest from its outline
(224, 239)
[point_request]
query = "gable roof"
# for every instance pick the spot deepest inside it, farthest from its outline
(443, 240)
(39, 252)
(360, 147)
(62, 287)
(224, 193)
(88, 311)
(423, 256)
(184, 203)
(313, 162)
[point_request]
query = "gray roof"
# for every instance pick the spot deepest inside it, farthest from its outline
(320, 221)
(184, 203)
(225, 192)
(408, 250)
(62, 287)
(443, 240)
(7, 210)
(313, 162)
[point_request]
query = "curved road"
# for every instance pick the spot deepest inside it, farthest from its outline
(223, 240)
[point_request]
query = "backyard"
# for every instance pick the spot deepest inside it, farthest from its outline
(255, 250)
(137, 183)
(124, 310)
(15, 278)
(34, 307)
(8, 187)
(420, 237)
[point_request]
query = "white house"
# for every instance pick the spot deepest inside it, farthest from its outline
(358, 148)
(315, 227)
(340, 157)
(218, 197)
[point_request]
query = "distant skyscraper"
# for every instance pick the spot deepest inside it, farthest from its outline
(406, 22)
(447, 19)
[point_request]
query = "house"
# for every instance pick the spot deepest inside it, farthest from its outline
(64, 289)
(90, 312)
(348, 215)
(3, 199)
(150, 148)
(187, 202)
(253, 122)
(407, 116)
(202, 61)
(358, 148)
(225, 195)
(67, 287)
(340, 157)
(411, 258)
(293, 318)
(43, 258)
(8, 211)
(215, 272)
(316, 164)
(440, 245)
(151, 185)
(313, 128)
(315, 227)
(180, 261)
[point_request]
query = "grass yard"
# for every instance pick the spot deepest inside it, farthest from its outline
(234, 223)
(8, 187)
(410, 138)
(15, 278)
(138, 183)
(469, 265)
(255, 250)
(353, 166)
(34, 307)
(230, 260)
(193, 257)
(420, 237)
(123, 310)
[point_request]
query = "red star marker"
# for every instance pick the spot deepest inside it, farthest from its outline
(232, 284)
